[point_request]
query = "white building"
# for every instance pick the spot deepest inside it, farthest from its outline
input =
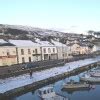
(62, 49)
(79, 48)
(48, 50)
(27, 51)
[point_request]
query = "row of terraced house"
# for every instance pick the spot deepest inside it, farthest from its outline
(22, 51)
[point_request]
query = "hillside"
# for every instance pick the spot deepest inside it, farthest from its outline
(27, 32)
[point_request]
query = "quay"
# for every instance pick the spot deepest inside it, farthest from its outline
(51, 79)
(19, 69)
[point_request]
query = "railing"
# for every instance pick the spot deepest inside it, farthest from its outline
(19, 69)
(41, 63)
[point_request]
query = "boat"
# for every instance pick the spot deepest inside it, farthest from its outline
(89, 78)
(76, 86)
(48, 93)
(95, 73)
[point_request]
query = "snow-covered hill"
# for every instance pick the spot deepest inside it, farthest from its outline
(32, 30)
(30, 33)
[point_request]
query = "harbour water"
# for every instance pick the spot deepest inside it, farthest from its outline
(91, 94)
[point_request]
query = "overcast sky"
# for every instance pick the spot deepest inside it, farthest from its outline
(64, 15)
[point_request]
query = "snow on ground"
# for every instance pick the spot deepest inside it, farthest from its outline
(22, 80)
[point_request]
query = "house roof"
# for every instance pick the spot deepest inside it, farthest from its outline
(23, 43)
(2, 41)
(44, 43)
(5, 43)
(80, 44)
(56, 43)
(70, 44)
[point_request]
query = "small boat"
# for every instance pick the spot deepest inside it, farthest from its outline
(76, 86)
(89, 78)
(95, 74)
(48, 93)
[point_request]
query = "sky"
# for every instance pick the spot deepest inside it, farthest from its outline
(64, 15)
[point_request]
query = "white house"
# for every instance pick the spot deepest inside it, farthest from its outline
(27, 51)
(78, 48)
(48, 50)
(62, 49)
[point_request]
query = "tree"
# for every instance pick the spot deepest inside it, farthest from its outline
(97, 34)
(90, 32)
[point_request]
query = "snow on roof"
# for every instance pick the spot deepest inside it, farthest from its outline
(56, 43)
(44, 43)
(2, 41)
(23, 43)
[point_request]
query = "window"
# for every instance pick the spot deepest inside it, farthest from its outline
(69, 54)
(35, 51)
(8, 53)
(22, 51)
(45, 92)
(13, 51)
(45, 56)
(3, 52)
(49, 50)
(65, 54)
(29, 51)
(23, 60)
(40, 92)
(48, 91)
(44, 50)
(51, 90)
(54, 50)
(29, 59)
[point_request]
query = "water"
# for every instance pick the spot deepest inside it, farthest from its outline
(92, 94)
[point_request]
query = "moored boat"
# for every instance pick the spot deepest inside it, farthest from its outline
(95, 74)
(48, 93)
(75, 86)
(89, 78)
